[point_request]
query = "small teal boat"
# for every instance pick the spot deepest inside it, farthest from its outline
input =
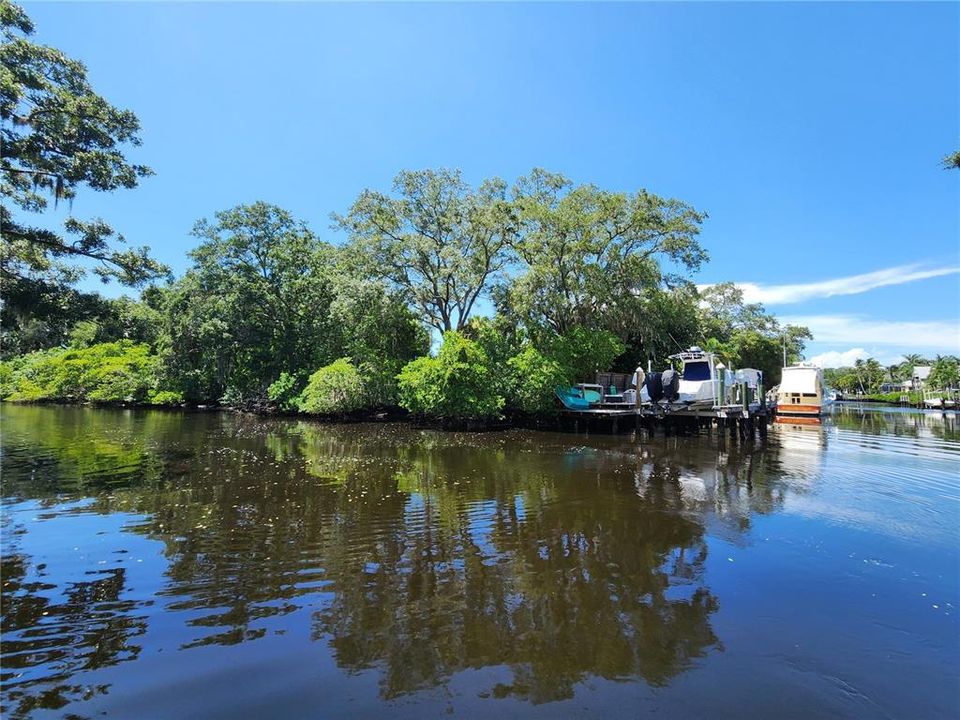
(571, 398)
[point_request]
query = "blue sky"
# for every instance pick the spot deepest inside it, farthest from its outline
(810, 133)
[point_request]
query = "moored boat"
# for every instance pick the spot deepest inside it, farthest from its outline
(702, 378)
(802, 393)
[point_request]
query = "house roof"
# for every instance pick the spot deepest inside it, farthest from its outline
(921, 372)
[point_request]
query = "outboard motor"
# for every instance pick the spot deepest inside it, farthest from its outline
(670, 381)
(654, 386)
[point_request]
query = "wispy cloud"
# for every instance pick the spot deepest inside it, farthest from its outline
(847, 330)
(851, 285)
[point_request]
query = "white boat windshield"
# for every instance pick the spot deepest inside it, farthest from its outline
(696, 371)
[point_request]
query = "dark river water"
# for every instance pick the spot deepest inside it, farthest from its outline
(176, 565)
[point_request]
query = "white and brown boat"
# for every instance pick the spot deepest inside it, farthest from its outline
(802, 396)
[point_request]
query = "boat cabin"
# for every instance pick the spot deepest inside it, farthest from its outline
(801, 391)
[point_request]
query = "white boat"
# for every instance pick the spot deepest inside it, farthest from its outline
(700, 379)
(934, 399)
(802, 393)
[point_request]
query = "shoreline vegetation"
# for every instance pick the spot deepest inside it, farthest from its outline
(455, 302)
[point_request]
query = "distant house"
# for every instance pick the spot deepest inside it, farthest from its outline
(920, 375)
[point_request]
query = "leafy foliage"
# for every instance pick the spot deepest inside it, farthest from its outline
(58, 135)
(458, 383)
(582, 352)
(945, 372)
(283, 392)
(590, 254)
(534, 377)
(122, 371)
(334, 389)
(439, 241)
(254, 305)
(745, 335)
(266, 297)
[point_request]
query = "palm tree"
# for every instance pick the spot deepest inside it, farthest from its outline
(910, 362)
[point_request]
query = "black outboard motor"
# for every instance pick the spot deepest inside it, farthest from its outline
(670, 380)
(654, 385)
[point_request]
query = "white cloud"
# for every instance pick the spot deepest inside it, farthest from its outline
(835, 358)
(847, 330)
(851, 285)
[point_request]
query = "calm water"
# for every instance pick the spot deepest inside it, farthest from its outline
(166, 565)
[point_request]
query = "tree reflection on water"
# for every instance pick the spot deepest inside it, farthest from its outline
(423, 554)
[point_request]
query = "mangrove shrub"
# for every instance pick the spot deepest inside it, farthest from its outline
(121, 371)
(334, 389)
(458, 383)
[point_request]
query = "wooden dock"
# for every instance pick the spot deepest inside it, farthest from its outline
(739, 421)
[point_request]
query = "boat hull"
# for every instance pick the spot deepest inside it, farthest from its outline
(799, 413)
(798, 420)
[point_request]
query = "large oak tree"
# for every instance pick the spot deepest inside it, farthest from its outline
(436, 239)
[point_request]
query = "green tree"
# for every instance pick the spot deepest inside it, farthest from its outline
(534, 377)
(724, 312)
(897, 372)
(36, 315)
(667, 320)
(869, 374)
(124, 318)
(378, 331)
(590, 254)
(745, 334)
(438, 241)
(456, 384)
(910, 362)
(945, 372)
(255, 304)
(750, 349)
(58, 136)
(952, 161)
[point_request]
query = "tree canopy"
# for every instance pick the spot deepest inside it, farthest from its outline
(439, 241)
(589, 255)
(58, 136)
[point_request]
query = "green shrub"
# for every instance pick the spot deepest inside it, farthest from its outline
(121, 371)
(379, 384)
(335, 388)
(533, 378)
(458, 383)
(165, 397)
(6, 378)
(945, 372)
(284, 390)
